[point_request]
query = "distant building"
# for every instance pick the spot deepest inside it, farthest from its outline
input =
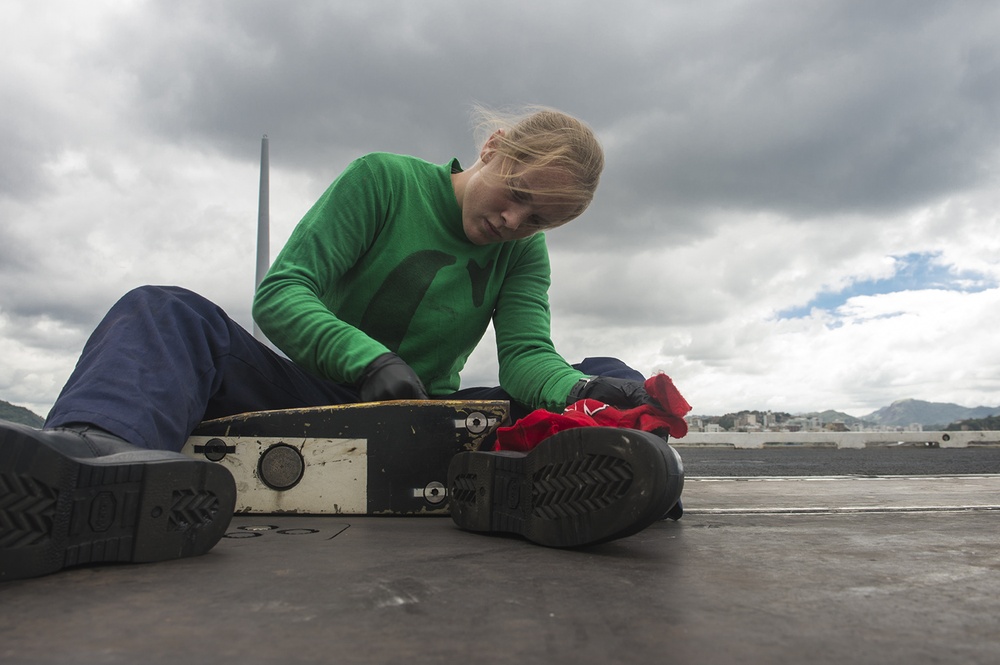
(746, 421)
(804, 424)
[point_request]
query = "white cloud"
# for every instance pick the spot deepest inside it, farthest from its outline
(756, 159)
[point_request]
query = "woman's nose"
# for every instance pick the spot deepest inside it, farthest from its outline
(515, 216)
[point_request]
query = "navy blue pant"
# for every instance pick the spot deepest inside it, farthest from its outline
(164, 359)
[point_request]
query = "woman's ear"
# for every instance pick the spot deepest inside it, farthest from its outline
(490, 147)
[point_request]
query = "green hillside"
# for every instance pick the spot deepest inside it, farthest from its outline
(989, 423)
(19, 414)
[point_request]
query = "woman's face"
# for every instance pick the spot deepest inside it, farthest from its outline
(496, 209)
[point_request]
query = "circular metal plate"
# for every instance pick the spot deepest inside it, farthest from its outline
(281, 467)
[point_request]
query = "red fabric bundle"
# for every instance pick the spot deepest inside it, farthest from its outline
(538, 425)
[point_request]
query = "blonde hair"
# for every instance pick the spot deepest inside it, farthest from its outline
(544, 138)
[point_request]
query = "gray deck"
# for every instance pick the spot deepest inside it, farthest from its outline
(840, 566)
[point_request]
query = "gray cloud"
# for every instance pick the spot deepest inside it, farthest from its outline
(758, 152)
(802, 108)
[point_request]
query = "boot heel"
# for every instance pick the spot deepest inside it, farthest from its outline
(184, 511)
(470, 490)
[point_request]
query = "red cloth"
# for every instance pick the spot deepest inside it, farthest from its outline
(538, 425)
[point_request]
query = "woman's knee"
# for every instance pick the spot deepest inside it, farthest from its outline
(154, 297)
(170, 303)
(607, 366)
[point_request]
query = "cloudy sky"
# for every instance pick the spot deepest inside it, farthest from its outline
(799, 210)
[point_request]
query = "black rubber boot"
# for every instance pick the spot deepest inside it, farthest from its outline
(71, 497)
(578, 487)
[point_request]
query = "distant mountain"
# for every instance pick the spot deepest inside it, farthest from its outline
(19, 414)
(830, 416)
(910, 411)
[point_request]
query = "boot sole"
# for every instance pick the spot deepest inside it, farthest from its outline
(58, 511)
(578, 487)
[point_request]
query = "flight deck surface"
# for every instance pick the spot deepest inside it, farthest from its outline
(871, 556)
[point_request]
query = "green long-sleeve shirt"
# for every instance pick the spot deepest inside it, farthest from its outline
(381, 263)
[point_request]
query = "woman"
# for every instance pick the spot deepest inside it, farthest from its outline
(382, 292)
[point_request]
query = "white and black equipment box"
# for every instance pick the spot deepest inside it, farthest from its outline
(378, 458)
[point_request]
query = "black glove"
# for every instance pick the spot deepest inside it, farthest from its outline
(619, 393)
(389, 377)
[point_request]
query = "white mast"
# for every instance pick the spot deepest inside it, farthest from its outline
(263, 226)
